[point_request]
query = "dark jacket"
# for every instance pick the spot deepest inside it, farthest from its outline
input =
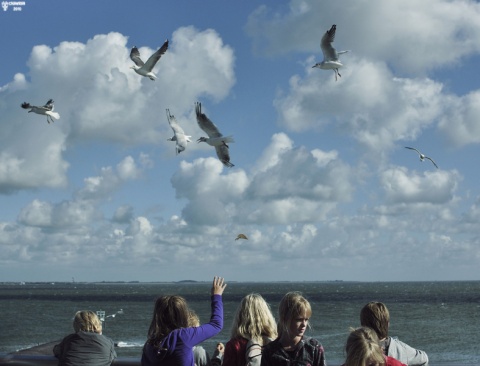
(308, 352)
(85, 348)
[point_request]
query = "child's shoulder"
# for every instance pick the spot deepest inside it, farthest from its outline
(273, 345)
(312, 342)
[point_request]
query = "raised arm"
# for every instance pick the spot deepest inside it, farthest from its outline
(195, 335)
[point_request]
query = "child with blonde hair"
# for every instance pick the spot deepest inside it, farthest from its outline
(253, 325)
(87, 346)
(363, 349)
(292, 347)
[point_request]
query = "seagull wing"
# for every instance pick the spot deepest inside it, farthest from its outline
(153, 59)
(223, 155)
(177, 131)
(206, 125)
(412, 148)
(436, 166)
(329, 52)
(135, 57)
(49, 105)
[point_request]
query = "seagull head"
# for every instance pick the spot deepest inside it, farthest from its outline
(180, 149)
(202, 139)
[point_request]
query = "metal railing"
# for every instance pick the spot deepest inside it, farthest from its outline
(14, 359)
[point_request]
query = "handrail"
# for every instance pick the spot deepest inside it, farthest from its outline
(15, 359)
(12, 359)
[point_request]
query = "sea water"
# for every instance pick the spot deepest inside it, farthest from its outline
(440, 318)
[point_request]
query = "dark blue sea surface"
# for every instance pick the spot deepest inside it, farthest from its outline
(441, 318)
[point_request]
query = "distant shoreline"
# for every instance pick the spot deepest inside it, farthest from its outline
(20, 283)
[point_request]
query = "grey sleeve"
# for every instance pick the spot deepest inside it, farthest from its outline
(113, 353)
(406, 354)
(201, 356)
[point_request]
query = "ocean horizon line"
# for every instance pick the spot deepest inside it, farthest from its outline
(186, 281)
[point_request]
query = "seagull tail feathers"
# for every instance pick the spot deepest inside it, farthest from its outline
(53, 114)
(228, 139)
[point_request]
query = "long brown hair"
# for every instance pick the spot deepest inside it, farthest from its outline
(375, 315)
(170, 312)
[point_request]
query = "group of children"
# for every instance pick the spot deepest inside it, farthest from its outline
(174, 336)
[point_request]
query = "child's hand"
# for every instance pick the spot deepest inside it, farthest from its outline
(218, 285)
(220, 347)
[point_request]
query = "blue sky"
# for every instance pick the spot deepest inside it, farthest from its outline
(322, 184)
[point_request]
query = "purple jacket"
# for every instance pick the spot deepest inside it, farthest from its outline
(177, 347)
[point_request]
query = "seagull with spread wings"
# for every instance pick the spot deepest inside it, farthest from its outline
(330, 54)
(215, 138)
(46, 110)
(178, 135)
(422, 156)
(145, 69)
(241, 236)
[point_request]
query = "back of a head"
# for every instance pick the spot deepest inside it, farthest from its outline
(193, 319)
(292, 305)
(362, 348)
(87, 321)
(171, 312)
(375, 315)
(254, 319)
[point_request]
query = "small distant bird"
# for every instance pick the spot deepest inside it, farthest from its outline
(241, 236)
(46, 110)
(215, 138)
(178, 134)
(145, 69)
(330, 54)
(114, 315)
(422, 156)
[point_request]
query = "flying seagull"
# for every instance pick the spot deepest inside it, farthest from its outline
(145, 69)
(46, 110)
(215, 138)
(178, 134)
(422, 156)
(113, 315)
(330, 54)
(241, 236)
